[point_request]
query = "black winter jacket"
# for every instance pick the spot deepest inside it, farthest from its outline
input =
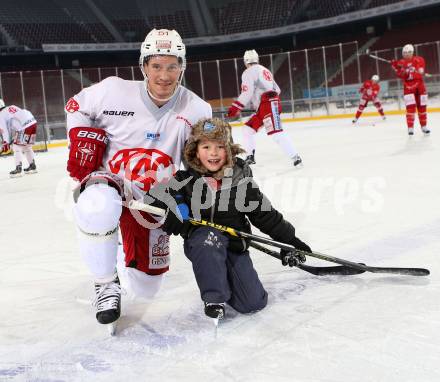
(238, 201)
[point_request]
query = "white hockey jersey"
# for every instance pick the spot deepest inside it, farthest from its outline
(145, 142)
(14, 119)
(255, 81)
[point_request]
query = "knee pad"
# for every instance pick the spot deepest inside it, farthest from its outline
(409, 99)
(26, 148)
(423, 99)
(98, 210)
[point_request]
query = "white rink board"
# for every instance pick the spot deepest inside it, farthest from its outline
(366, 193)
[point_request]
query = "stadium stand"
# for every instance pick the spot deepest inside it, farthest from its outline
(249, 15)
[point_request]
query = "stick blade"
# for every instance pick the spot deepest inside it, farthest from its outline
(341, 270)
(401, 271)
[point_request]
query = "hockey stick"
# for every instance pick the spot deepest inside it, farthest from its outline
(428, 75)
(137, 205)
(379, 58)
(317, 271)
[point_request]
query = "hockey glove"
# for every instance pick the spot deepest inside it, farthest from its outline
(293, 259)
(177, 221)
(235, 109)
(5, 147)
(395, 64)
(87, 148)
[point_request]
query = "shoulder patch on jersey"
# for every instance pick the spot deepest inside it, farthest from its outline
(12, 109)
(267, 76)
(72, 105)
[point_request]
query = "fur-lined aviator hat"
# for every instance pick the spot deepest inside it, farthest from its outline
(211, 129)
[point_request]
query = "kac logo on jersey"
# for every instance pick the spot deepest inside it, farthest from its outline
(150, 136)
(72, 106)
(143, 167)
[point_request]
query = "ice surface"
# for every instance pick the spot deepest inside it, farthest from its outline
(366, 193)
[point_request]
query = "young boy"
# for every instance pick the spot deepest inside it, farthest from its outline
(219, 187)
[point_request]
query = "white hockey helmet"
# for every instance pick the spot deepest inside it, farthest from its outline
(250, 57)
(163, 42)
(375, 78)
(408, 50)
(2, 104)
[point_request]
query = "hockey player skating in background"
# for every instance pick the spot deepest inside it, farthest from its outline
(124, 136)
(411, 69)
(369, 91)
(221, 263)
(18, 126)
(259, 89)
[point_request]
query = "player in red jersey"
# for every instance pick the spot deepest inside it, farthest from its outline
(411, 69)
(369, 90)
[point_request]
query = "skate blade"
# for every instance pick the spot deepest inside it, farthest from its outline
(31, 172)
(16, 176)
(112, 328)
(215, 321)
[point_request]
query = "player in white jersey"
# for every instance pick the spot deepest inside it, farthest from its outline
(124, 137)
(261, 92)
(19, 127)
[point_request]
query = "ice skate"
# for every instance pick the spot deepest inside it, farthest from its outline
(410, 130)
(354, 121)
(250, 160)
(384, 118)
(297, 161)
(108, 303)
(32, 169)
(216, 311)
(16, 173)
(425, 130)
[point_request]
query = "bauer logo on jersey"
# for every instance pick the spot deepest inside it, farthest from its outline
(122, 113)
(150, 136)
(72, 106)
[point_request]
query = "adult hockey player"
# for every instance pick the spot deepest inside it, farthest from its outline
(411, 69)
(124, 136)
(261, 92)
(18, 126)
(369, 91)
